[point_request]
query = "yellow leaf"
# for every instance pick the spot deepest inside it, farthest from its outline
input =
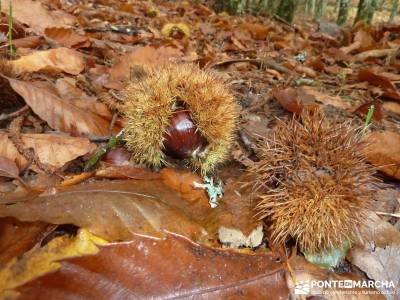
(41, 260)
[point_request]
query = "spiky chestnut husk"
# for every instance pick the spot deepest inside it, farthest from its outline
(149, 104)
(313, 182)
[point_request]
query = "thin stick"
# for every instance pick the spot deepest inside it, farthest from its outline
(14, 114)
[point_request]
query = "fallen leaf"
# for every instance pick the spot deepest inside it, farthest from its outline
(375, 79)
(142, 56)
(378, 255)
(59, 113)
(112, 210)
(34, 14)
(257, 31)
(363, 110)
(383, 152)
(324, 98)
(8, 150)
(18, 237)
(8, 168)
(28, 42)
(53, 60)
(42, 260)
(57, 150)
(289, 99)
(392, 106)
(147, 268)
(66, 37)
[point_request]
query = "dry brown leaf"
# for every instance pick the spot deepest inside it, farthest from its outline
(378, 256)
(67, 37)
(8, 168)
(113, 210)
(57, 150)
(383, 152)
(28, 42)
(53, 60)
(289, 99)
(257, 31)
(148, 268)
(375, 79)
(324, 98)
(61, 114)
(146, 55)
(8, 150)
(363, 41)
(34, 14)
(392, 106)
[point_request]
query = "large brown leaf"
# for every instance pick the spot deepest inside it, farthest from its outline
(18, 237)
(34, 14)
(113, 210)
(66, 37)
(53, 60)
(57, 150)
(8, 150)
(58, 113)
(171, 268)
(142, 56)
(383, 152)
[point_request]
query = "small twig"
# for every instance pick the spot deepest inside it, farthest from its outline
(381, 213)
(112, 124)
(260, 63)
(99, 139)
(14, 114)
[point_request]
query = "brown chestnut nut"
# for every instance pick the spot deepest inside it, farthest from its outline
(182, 139)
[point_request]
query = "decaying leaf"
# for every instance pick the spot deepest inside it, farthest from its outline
(40, 261)
(145, 268)
(18, 237)
(53, 60)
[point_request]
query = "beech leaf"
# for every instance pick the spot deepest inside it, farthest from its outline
(53, 60)
(58, 113)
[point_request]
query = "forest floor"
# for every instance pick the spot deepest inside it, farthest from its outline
(121, 230)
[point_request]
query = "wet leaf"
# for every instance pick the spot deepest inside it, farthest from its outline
(154, 268)
(113, 210)
(18, 237)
